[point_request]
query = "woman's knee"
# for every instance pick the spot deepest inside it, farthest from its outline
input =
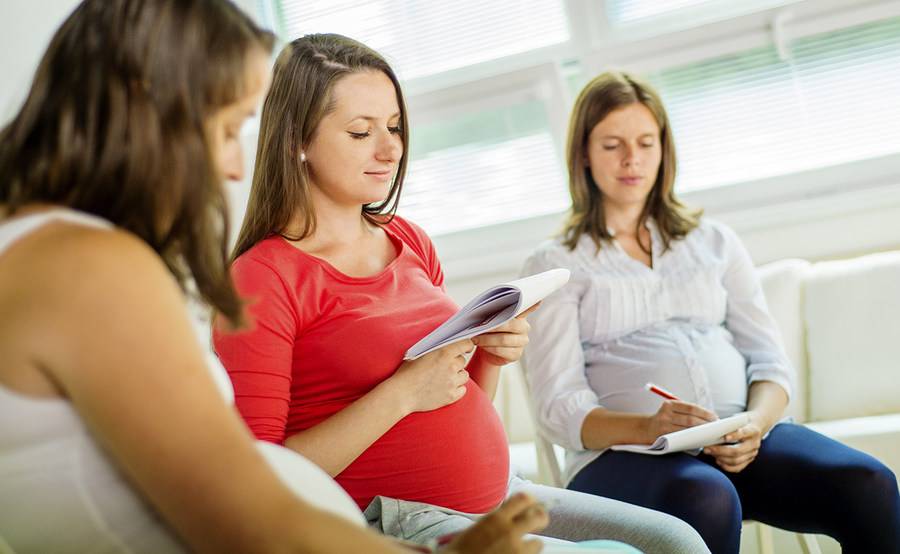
(706, 501)
(868, 482)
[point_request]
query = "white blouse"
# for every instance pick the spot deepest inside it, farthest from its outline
(696, 324)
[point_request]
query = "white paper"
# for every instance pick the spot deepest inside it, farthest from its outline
(491, 309)
(692, 438)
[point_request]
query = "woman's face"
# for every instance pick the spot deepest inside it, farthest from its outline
(223, 127)
(354, 151)
(623, 154)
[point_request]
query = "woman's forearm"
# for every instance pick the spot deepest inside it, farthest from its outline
(336, 442)
(485, 374)
(766, 402)
(603, 428)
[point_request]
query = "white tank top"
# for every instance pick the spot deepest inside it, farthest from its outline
(59, 493)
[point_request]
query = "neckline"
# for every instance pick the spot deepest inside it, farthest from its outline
(56, 212)
(398, 244)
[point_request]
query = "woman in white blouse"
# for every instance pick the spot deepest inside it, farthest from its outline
(660, 294)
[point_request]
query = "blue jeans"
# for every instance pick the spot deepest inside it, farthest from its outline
(800, 481)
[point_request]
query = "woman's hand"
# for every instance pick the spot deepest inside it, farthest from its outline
(744, 447)
(505, 344)
(436, 379)
(501, 531)
(675, 415)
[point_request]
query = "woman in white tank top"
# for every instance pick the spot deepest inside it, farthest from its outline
(116, 433)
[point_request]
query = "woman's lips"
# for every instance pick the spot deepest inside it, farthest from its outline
(379, 175)
(630, 181)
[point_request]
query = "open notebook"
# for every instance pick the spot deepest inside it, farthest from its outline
(692, 438)
(491, 309)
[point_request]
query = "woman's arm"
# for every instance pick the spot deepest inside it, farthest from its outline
(747, 317)
(425, 384)
(756, 337)
(110, 326)
(260, 358)
(603, 428)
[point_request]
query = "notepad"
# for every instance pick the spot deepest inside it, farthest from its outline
(491, 309)
(692, 438)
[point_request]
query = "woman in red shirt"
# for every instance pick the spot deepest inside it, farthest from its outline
(341, 288)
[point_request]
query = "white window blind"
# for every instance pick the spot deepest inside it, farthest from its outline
(424, 37)
(482, 168)
(835, 99)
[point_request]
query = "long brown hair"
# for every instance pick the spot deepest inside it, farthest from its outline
(114, 126)
(299, 97)
(605, 93)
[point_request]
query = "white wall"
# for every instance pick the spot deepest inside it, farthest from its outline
(26, 27)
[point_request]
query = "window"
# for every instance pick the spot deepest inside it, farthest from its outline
(483, 167)
(756, 90)
(751, 115)
(423, 37)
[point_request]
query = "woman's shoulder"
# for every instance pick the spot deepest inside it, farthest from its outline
(72, 270)
(408, 231)
(273, 256)
(549, 254)
(714, 233)
(65, 248)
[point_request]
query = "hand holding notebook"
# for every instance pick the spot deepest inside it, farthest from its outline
(692, 438)
(491, 309)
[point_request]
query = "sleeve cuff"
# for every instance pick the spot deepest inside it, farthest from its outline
(586, 405)
(774, 375)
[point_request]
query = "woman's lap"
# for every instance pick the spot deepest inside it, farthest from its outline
(800, 481)
(573, 517)
(576, 516)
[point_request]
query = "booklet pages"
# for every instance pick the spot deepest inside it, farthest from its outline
(491, 309)
(692, 438)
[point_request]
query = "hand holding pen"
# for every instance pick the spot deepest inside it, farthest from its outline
(674, 414)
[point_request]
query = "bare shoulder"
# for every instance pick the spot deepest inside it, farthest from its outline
(69, 259)
(72, 293)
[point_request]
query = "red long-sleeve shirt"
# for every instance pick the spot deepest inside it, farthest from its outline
(322, 340)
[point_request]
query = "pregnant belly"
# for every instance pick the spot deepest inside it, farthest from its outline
(698, 366)
(454, 457)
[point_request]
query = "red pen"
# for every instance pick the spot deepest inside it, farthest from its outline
(656, 389)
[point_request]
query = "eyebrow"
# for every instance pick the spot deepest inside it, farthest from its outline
(371, 117)
(643, 135)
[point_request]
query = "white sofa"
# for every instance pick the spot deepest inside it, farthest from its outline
(840, 323)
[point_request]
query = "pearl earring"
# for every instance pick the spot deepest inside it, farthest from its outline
(302, 157)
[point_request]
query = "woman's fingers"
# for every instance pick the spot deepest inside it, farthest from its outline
(693, 410)
(734, 466)
(497, 340)
(524, 314)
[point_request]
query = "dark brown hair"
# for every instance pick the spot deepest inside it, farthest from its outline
(300, 96)
(604, 94)
(114, 126)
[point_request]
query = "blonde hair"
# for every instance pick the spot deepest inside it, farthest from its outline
(604, 94)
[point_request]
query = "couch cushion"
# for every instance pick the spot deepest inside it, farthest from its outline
(782, 284)
(853, 337)
(875, 435)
